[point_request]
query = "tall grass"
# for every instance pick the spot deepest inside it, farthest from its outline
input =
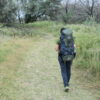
(87, 40)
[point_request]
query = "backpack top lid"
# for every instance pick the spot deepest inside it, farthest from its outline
(67, 31)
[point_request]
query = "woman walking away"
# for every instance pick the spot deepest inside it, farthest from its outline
(66, 54)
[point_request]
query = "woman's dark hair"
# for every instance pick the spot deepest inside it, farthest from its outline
(62, 30)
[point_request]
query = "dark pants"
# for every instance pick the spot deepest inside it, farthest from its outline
(65, 70)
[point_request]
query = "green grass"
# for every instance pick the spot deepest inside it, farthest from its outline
(88, 48)
(3, 54)
(13, 53)
(7, 49)
(87, 39)
(29, 69)
(38, 77)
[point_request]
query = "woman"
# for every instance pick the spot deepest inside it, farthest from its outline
(65, 65)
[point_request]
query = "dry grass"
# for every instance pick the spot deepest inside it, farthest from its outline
(29, 69)
(37, 77)
(17, 51)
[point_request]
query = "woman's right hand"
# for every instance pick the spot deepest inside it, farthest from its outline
(57, 48)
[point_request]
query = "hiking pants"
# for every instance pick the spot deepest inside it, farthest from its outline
(65, 70)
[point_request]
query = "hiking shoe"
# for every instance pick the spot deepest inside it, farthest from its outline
(66, 88)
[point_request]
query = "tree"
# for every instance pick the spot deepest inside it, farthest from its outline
(52, 9)
(7, 11)
(68, 11)
(3, 4)
(31, 10)
(19, 10)
(40, 9)
(89, 7)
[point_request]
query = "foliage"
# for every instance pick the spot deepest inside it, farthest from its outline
(37, 10)
(90, 21)
(8, 10)
(78, 11)
(3, 4)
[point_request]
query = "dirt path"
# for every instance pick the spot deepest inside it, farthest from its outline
(39, 77)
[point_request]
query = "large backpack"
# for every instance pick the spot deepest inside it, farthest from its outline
(67, 45)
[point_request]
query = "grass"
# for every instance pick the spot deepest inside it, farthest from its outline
(10, 64)
(29, 68)
(87, 39)
(36, 76)
(7, 49)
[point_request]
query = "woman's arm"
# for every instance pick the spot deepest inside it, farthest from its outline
(57, 47)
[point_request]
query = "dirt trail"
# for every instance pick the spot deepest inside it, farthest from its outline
(39, 76)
